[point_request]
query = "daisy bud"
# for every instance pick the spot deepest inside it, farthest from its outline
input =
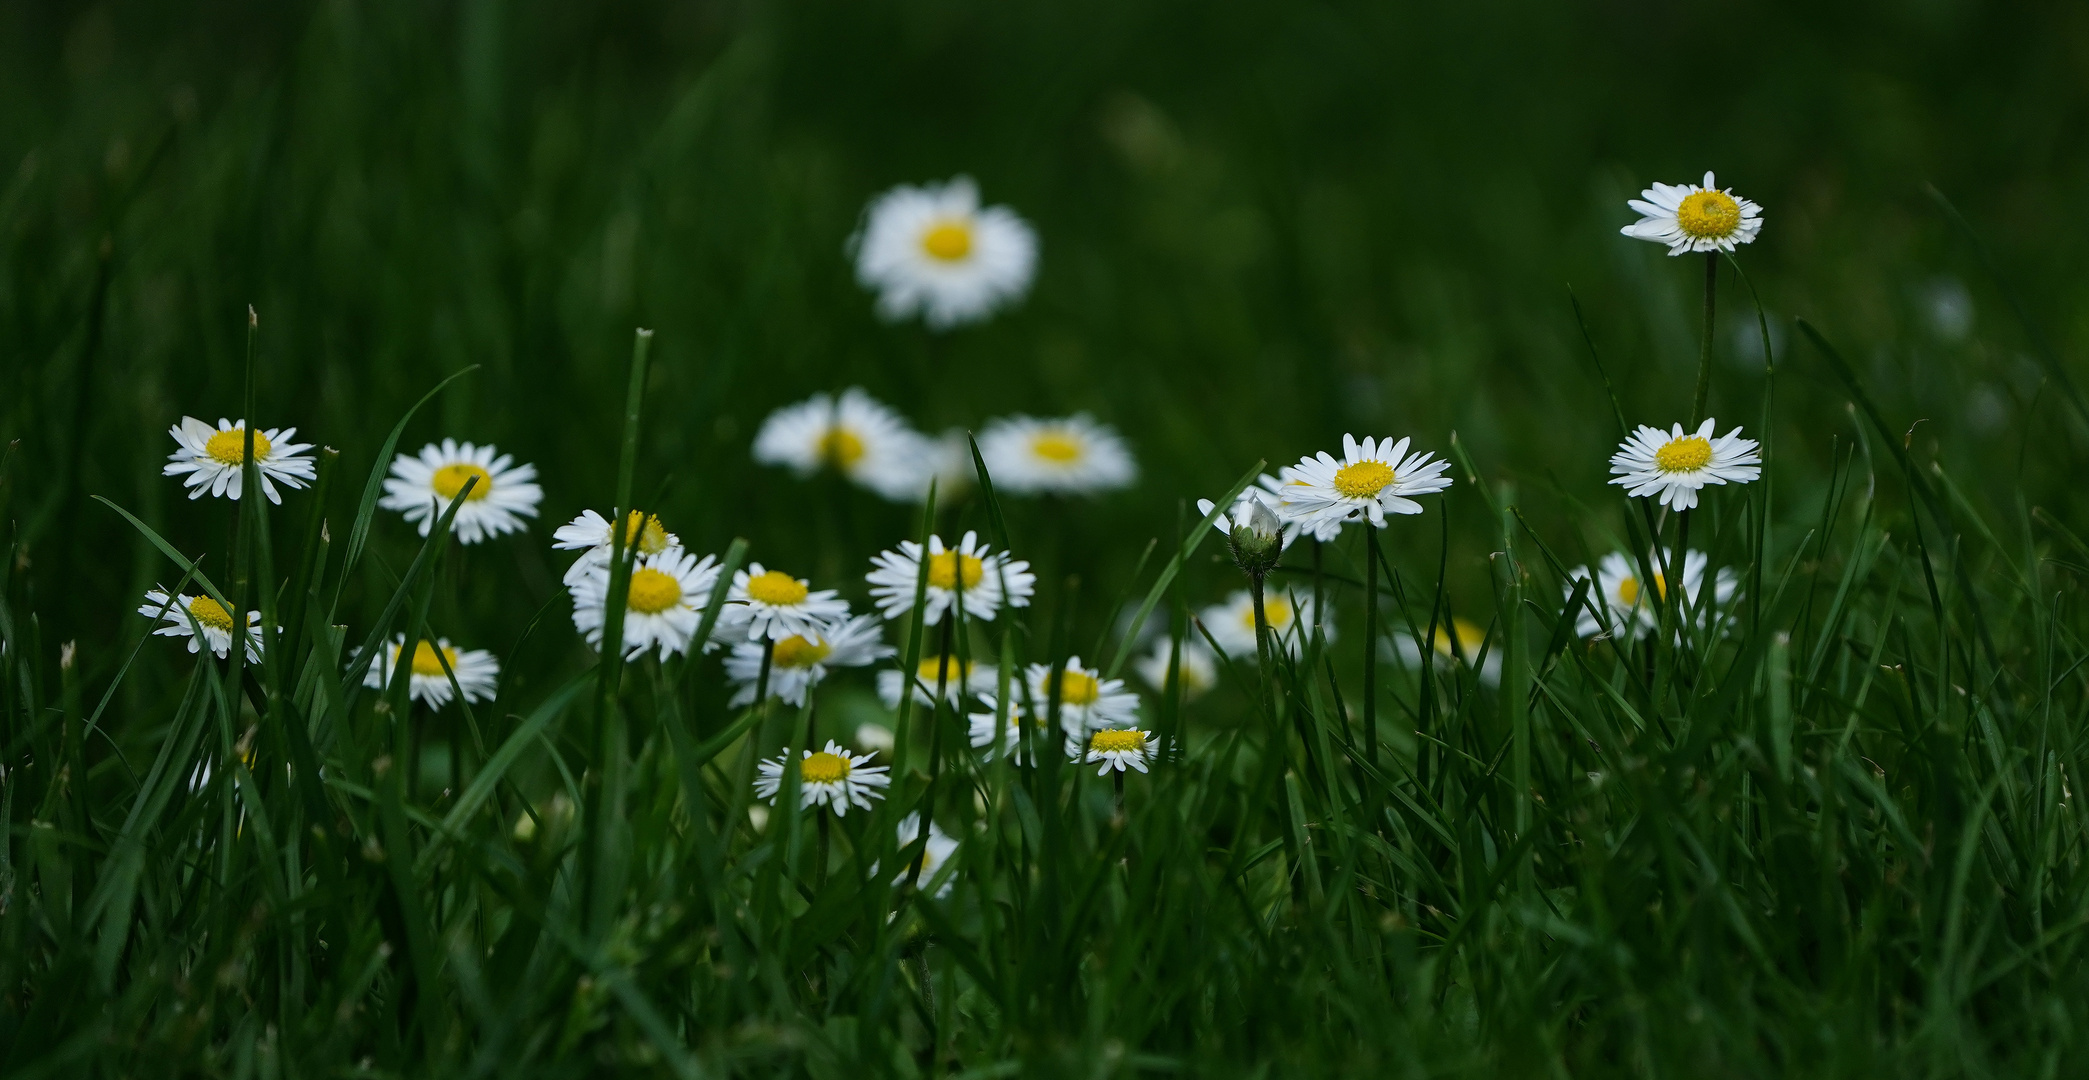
(1255, 535)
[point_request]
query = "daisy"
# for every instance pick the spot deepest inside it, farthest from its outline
(855, 435)
(1073, 455)
(832, 777)
(985, 578)
(1628, 608)
(476, 670)
(799, 663)
(1373, 479)
(775, 605)
(974, 679)
(983, 726)
(1470, 638)
(590, 535)
(1253, 532)
(1673, 466)
(1692, 217)
(1116, 748)
(1196, 673)
(935, 854)
(934, 251)
(663, 606)
(1086, 699)
(1290, 618)
(422, 485)
(212, 456)
(184, 615)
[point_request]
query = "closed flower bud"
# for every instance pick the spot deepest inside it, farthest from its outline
(1254, 534)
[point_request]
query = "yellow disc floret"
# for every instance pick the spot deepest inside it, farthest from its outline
(653, 591)
(211, 614)
(945, 567)
(1708, 215)
(948, 240)
(1078, 688)
(824, 768)
(797, 652)
(945, 669)
(1056, 446)
(426, 662)
(1276, 609)
(230, 447)
(642, 531)
(1120, 740)
(1363, 479)
(1684, 455)
(841, 447)
(1468, 635)
(776, 588)
(450, 479)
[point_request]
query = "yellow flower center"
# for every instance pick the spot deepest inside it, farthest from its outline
(653, 591)
(1056, 446)
(211, 614)
(776, 588)
(824, 768)
(1684, 455)
(796, 652)
(649, 537)
(1276, 609)
(1363, 479)
(450, 479)
(932, 669)
(1708, 215)
(230, 447)
(1468, 635)
(1078, 688)
(1117, 739)
(948, 240)
(1628, 589)
(944, 568)
(425, 662)
(840, 447)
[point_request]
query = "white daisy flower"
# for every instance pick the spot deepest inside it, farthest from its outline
(1672, 466)
(935, 854)
(1469, 635)
(831, 777)
(799, 663)
(773, 604)
(960, 680)
(984, 577)
(1627, 605)
(212, 456)
(476, 670)
(1694, 217)
(855, 435)
(1196, 672)
(933, 251)
(1374, 478)
(589, 534)
(422, 485)
(1086, 699)
(1290, 617)
(1267, 490)
(216, 622)
(1116, 748)
(1073, 455)
(984, 724)
(663, 606)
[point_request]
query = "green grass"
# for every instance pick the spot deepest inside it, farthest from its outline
(1837, 838)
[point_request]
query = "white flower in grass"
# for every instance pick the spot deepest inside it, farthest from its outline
(984, 725)
(1373, 478)
(663, 605)
(1694, 217)
(1086, 699)
(855, 435)
(1289, 614)
(1073, 455)
(476, 670)
(800, 662)
(986, 578)
(959, 681)
(1196, 672)
(831, 777)
(935, 854)
(934, 251)
(177, 612)
(1469, 637)
(211, 457)
(772, 604)
(1115, 748)
(422, 485)
(1672, 466)
(1630, 608)
(590, 535)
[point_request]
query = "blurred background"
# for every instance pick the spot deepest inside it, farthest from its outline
(1261, 226)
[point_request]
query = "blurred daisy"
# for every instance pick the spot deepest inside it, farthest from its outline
(1630, 608)
(1290, 617)
(1115, 748)
(831, 777)
(476, 670)
(212, 456)
(775, 605)
(1196, 672)
(1074, 455)
(933, 251)
(1470, 638)
(1672, 466)
(855, 435)
(184, 615)
(984, 725)
(971, 568)
(663, 606)
(958, 681)
(422, 485)
(589, 534)
(1086, 699)
(1693, 217)
(800, 662)
(1374, 478)
(935, 854)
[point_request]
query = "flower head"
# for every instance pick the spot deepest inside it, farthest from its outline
(212, 458)
(1253, 533)
(590, 535)
(934, 251)
(1373, 478)
(1288, 612)
(663, 605)
(985, 726)
(1086, 699)
(958, 680)
(799, 663)
(1073, 455)
(935, 854)
(502, 492)
(773, 604)
(1672, 466)
(831, 777)
(1629, 607)
(1694, 217)
(855, 435)
(1115, 748)
(184, 616)
(476, 670)
(986, 579)
(1195, 673)
(1455, 637)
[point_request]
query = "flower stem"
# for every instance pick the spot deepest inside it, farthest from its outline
(819, 868)
(1704, 355)
(1371, 644)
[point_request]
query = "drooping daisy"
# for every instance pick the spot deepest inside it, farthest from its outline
(935, 854)
(986, 578)
(831, 777)
(855, 435)
(209, 615)
(212, 457)
(663, 605)
(983, 726)
(1470, 638)
(772, 604)
(1374, 478)
(1672, 466)
(1694, 217)
(422, 485)
(476, 670)
(957, 679)
(589, 534)
(1116, 748)
(1073, 455)
(1196, 673)
(799, 663)
(1086, 699)
(934, 251)
(1630, 608)
(1290, 617)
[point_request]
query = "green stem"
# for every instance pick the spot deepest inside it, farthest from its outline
(1704, 355)
(1371, 644)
